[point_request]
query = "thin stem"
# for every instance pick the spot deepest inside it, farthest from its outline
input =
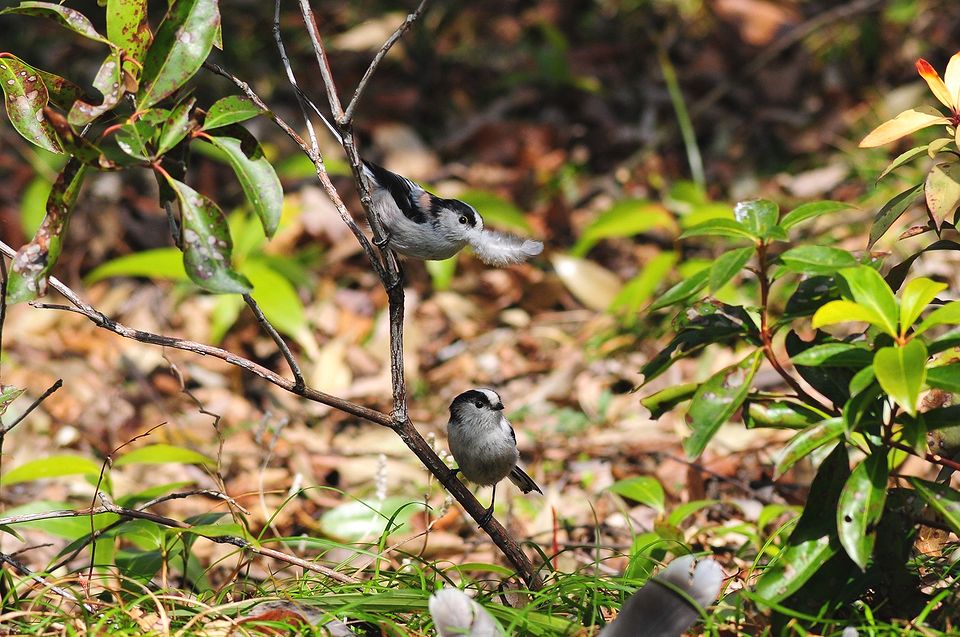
(278, 340)
(52, 388)
(322, 62)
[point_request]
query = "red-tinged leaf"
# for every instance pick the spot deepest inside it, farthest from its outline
(909, 121)
(942, 191)
(62, 92)
(8, 394)
(934, 81)
(109, 81)
(207, 245)
(716, 401)
(860, 507)
(26, 96)
(127, 26)
(32, 264)
(69, 18)
(183, 42)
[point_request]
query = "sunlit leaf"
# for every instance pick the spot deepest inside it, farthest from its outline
(639, 289)
(907, 122)
(834, 354)
(50, 467)
(109, 81)
(948, 314)
(624, 219)
(844, 311)
(666, 399)
(916, 296)
(232, 109)
(814, 259)
(67, 17)
(719, 228)
(758, 216)
(902, 159)
(806, 442)
(159, 263)
(811, 210)
(26, 96)
(127, 26)
(258, 179)
(591, 284)
(682, 290)
(901, 372)
(783, 414)
(860, 507)
(442, 272)
(176, 126)
(945, 377)
(871, 291)
(643, 489)
(357, 520)
(942, 191)
(162, 454)
(277, 298)
(716, 401)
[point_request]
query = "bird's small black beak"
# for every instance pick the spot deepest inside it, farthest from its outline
(498, 406)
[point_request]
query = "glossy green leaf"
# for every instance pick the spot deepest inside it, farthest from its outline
(180, 47)
(232, 109)
(624, 219)
(277, 298)
(176, 126)
(727, 266)
(860, 507)
(945, 377)
(916, 296)
(258, 179)
(664, 400)
(127, 26)
(162, 454)
(812, 210)
(891, 211)
(844, 312)
(813, 259)
(8, 394)
(782, 414)
(643, 489)
(834, 354)
(34, 261)
(683, 290)
(948, 314)
(109, 81)
(680, 512)
(33, 205)
(806, 442)
(758, 216)
(902, 159)
(716, 401)
(942, 191)
(901, 372)
(941, 498)
(26, 96)
(67, 17)
(136, 139)
(50, 467)
(159, 263)
(814, 539)
(719, 228)
(862, 380)
(870, 290)
(206, 242)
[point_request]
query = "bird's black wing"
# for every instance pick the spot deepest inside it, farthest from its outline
(403, 191)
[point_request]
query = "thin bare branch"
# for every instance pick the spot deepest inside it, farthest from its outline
(281, 344)
(22, 569)
(52, 388)
(362, 86)
(322, 62)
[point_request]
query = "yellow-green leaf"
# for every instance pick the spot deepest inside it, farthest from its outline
(909, 121)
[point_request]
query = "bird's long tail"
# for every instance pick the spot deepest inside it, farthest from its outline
(499, 249)
(524, 482)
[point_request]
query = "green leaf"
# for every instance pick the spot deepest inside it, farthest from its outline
(67, 17)
(277, 298)
(843, 312)
(162, 454)
(681, 512)
(26, 96)
(683, 290)
(779, 414)
(758, 216)
(902, 159)
(34, 261)
(948, 314)
(70, 528)
(442, 272)
(942, 191)
(50, 467)
(176, 126)
(206, 242)
(159, 263)
(109, 81)
(232, 109)
(8, 394)
(811, 259)
(136, 139)
(901, 372)
(871, 291)
(642, 489)
(33, 205)
(127, 26)
(357, 520)
(941, 498)
(860, 507)
(719, 228)
(182, 43)
(814, 539)
(716, 401)
(639, 289)
(811, 210)
(945, 377)
(258, 179)
(624, 219)
(834, 354)
(916, 296)
(891, 211)
(806, 442)
(664, 400)
(728, 265)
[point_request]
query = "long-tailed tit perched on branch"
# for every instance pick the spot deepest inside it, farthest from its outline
(422, 225)
(483, 443)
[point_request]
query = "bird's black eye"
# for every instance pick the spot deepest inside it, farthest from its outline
(463, 221)
(478, 403)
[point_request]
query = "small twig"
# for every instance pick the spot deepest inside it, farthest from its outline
(52, 388)
(322, 62)
(281, 344)
(397, 34)
(3, 302)
(22, 568)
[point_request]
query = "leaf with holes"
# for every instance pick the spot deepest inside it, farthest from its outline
(860, 507)
(109, 81)
(26, 96)
(127, 27)
(207, 245)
